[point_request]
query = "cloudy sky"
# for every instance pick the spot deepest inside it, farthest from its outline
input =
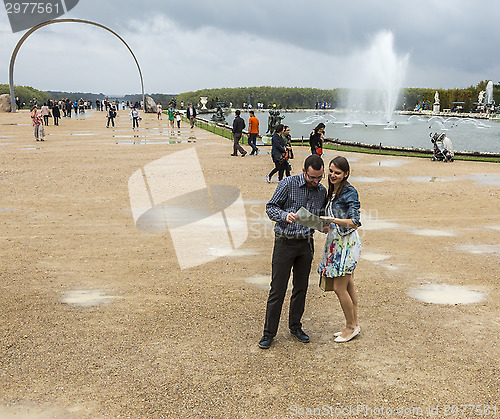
(190, 45)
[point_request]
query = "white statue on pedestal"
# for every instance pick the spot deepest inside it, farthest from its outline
(436, 108)
(203, 101)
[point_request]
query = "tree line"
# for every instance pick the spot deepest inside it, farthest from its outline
(307, 98)
(282, 97)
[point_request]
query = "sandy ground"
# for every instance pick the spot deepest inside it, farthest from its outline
(98, 319)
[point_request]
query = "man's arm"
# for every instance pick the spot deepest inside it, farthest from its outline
(274, 208)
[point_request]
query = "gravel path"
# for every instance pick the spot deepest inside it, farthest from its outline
(99, 320)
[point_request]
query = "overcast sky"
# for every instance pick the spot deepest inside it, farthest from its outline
(189, 45)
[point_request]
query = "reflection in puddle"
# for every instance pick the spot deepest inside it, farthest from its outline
(83, 133)
(446, 294)
(389, 163)
(432, 179)
(377, 224)
(255, 201)
(496, 228)
(85, 298)
(486, 179)
(7, 209)
(365, 179)
(432, 233)
(264, 281)
(479, 249)
(374, 257)
(147, 141)
(230, 252)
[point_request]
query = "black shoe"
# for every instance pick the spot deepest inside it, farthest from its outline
(300, 335)
(265, 342)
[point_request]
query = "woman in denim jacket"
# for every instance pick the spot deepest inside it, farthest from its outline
(343, 245)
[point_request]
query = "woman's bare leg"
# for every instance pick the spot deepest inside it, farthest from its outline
(340, 286)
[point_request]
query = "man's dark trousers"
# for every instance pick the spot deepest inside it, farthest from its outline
(287, 254)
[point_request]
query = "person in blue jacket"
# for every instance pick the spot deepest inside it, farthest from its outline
(343, 244)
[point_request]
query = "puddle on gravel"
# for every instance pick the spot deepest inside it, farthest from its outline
(446, 294)
(374, 257)
(496, 228)
(479, 249)
(83, 133)
(486, 179)
(431, 179)
(230, 252)
(389, 163)
(86, 298)
(264, 281)
(371, 225)
(432, 233)
(365, 179)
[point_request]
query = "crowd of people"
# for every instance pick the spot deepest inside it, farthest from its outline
(337, 206)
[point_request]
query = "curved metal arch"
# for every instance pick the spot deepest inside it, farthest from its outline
(50, 22)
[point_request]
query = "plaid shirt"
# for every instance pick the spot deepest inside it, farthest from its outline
(291, 194)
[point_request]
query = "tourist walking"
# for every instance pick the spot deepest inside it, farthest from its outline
(278, 153)
(191, 115)
(159, 110)
(316, 139)
(178, 118)
(111, 116)
(238, 127)
(45, 112)
(287, 140)
(56, 113)
(253, 132)
(171, 116)
(293, 246)
(36, 118)
(343, 245)
(134, 114)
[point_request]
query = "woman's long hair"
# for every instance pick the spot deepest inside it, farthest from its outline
(315, 130)
(340, 163)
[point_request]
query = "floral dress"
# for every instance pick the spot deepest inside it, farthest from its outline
(341, 253)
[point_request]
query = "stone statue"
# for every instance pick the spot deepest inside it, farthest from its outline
(436, 98)
(273, 120)
(480, 99)
(173, 103)
(218, 116)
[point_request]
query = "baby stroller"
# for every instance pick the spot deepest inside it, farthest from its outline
(443, 148)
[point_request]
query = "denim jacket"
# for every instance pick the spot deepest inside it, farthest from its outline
(346, 207)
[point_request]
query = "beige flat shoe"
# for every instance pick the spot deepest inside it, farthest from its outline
(355, 333)
(340, 333)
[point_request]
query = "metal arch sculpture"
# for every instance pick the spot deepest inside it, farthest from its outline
(50, 22)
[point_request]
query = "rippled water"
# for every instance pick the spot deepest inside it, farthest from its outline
(466, 134)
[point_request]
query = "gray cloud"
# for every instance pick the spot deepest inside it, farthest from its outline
(190, 45)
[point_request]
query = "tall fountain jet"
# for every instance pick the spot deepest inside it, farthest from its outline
(378, 76)
(488, 99)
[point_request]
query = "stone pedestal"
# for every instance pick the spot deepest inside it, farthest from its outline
(436, 108)
(5, 105)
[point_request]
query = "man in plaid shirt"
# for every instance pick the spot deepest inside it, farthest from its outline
(293, 246)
